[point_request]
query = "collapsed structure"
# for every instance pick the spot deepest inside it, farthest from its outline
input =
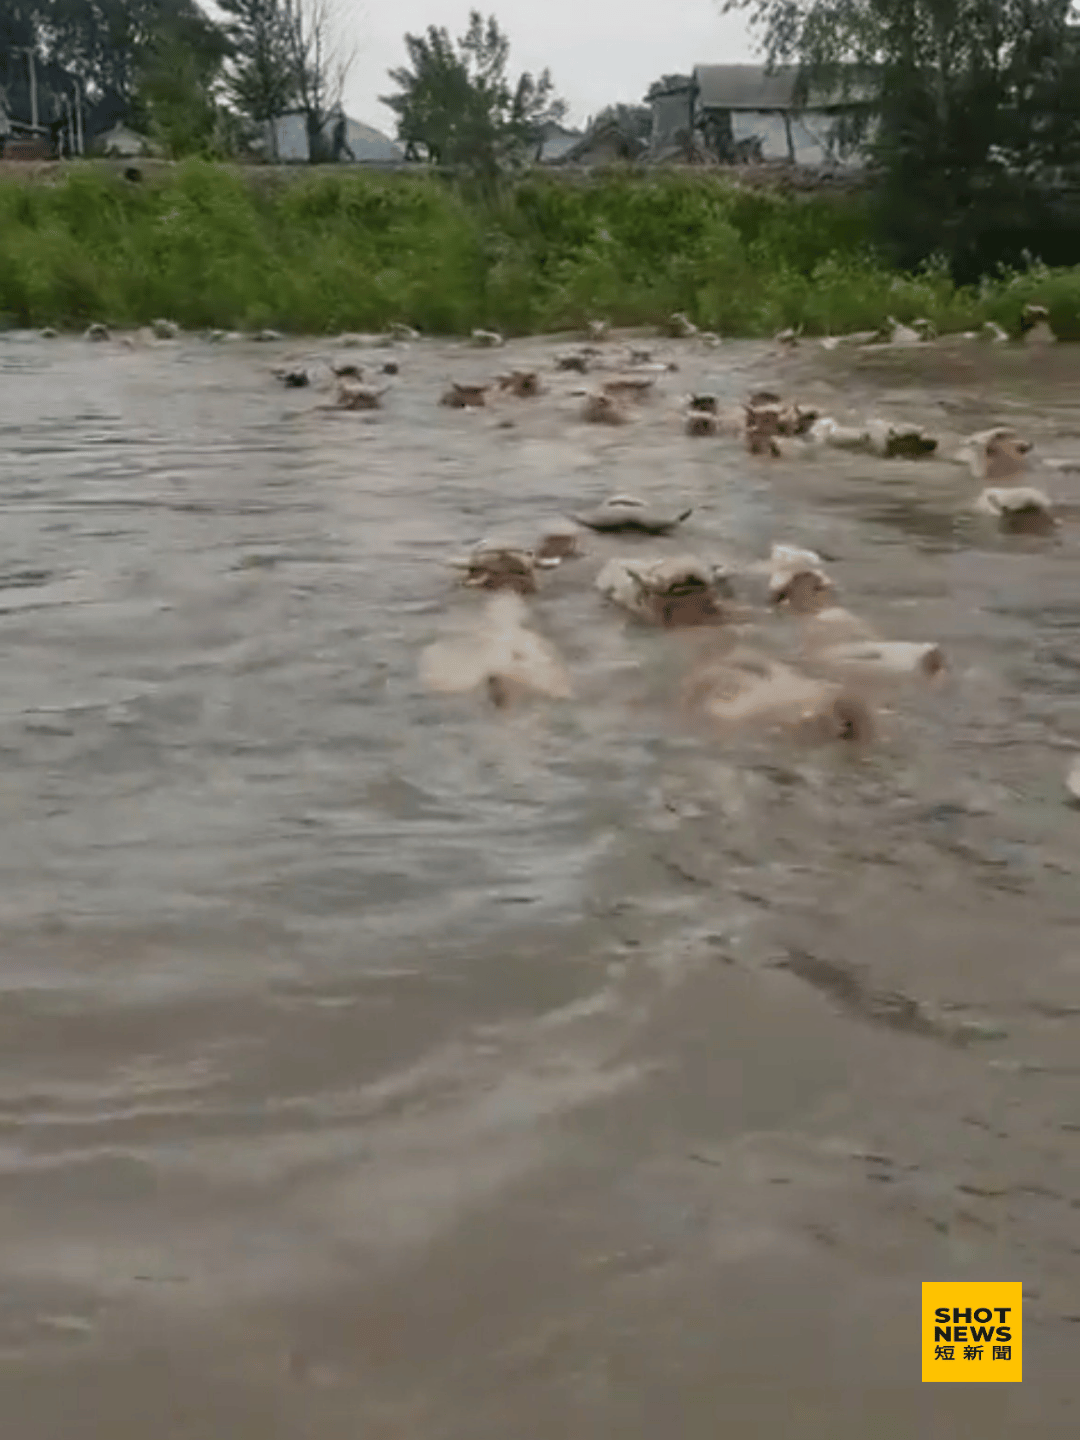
(739, 114)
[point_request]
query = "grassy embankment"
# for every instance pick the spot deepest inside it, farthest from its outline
(206, 247)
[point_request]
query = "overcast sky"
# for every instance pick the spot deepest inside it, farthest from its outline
(599, 51)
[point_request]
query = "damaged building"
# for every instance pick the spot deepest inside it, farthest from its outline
(671, 99)
(735, 114)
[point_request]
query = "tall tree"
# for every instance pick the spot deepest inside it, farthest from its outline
(261, 76)
(977, 103)
(320, 66)
(457, 105)
(153, 63)
(106, 43)
(176, 85)
(20, 28)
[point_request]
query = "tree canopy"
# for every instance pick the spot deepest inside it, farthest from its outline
(167, 67)
(176, 80)
(456, 104)
(978, 110)
(261, 79)
(106, 42)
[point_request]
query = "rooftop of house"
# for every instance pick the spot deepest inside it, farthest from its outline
(557, 139)
(751, 87)
(669, 85)
(365, 142)
(604, 138)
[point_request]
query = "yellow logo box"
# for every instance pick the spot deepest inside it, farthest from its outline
(972, 1331)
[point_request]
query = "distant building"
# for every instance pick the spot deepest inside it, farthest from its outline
(735, 113)
(604, 144)
(555, 141)
(107, 128)
(671, 99)
(736, 104)
(120, 141)
(359, 142)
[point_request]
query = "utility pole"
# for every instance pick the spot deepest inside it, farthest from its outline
(28, 52)
(78, 118)
(790, 137)
(33, 90)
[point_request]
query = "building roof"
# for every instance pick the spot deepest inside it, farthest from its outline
(749, 87)
(556, 139)
(365, 142)
(605, 141)
(121, 139)
(744, 87)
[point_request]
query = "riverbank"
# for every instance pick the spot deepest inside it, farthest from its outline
(209, 246)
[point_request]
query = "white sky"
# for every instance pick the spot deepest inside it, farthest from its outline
(599, 51)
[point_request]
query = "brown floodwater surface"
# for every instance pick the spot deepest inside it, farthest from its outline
(378, 1063)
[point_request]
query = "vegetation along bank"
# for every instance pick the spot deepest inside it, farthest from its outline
(209, 246)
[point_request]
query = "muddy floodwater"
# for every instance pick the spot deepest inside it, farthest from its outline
(376, 1065)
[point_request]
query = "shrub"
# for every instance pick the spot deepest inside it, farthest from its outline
(210, 246)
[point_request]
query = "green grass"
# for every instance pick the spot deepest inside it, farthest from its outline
(206, 246)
